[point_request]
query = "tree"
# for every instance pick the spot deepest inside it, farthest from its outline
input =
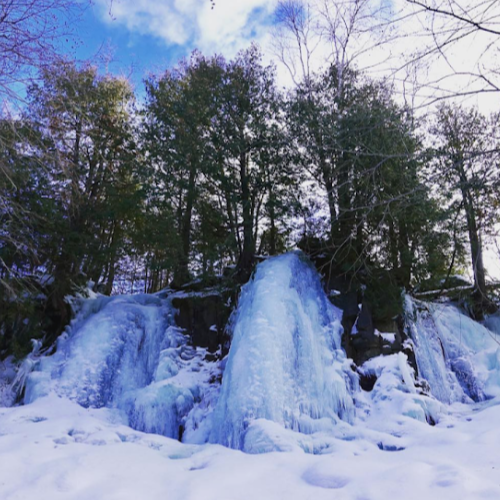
(27, 208)
(88, 152)
(467, 168)
(340, 34)
(479, 17)
(216, 147)
(176, 135)
(31, 32)
(250, 141)
(431, 49)
(448, 30)
(363, 151)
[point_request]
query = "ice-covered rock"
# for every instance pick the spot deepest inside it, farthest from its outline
(492, 322)
(126, 353)
(459, 357)
(285, 363)
(395, 392)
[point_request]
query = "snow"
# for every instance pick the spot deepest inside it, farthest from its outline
(459, 357)
(285, 363)
(54, 449)
(388, 337)
(289, 398)
(208, 292)
(126, 353)
(394, 395)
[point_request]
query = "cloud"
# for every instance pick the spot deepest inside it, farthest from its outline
(226, 28)
(231, 25)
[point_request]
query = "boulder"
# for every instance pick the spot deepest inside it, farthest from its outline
(204, 316)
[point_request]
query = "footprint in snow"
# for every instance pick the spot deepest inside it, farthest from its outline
(322, 480)
(447, 477)
(34, 419)
(62, 440)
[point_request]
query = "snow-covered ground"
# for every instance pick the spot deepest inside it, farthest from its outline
(289, 397)
(54, 449)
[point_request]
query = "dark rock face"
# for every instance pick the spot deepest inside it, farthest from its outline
(407, 344)
(367, 381)
(348, 302)
(365, 322)
(361, 339)
(204, 316)
(365, 344)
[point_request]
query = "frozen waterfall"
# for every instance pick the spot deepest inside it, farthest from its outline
(459, 357)
(126, 353)
(286, 382)
(285, 364)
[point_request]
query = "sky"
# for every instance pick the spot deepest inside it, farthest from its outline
(136, 37)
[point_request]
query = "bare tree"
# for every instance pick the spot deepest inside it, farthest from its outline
(339, 33)
(32, 32)
(458, 47)
(431, 49)
(296, 38)
(480, 16)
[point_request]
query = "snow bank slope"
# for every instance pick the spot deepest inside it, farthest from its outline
(54, 449)
(285, 364)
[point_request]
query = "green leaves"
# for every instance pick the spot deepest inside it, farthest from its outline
(216, 146)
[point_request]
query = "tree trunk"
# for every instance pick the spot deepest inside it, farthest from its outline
(475, 250)
(475, 244)
(247, 255)
(327, 181)
(393, 246)
(111, 264)
(474, 238)
(405, 255)
(344, 226)
(272, 218)
(182, 272)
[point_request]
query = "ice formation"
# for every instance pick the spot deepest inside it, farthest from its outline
(286, 383)
(459, 357)
(285, 364)
(126, 353)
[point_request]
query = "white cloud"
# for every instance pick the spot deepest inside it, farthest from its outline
(232, 24)
(226, 28)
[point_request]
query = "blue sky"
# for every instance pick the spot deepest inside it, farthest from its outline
(141, 36)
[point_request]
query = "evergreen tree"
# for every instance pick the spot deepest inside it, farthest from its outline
(87, 150)
(362, 149)
(177, 139)
(466, 168)
(216, 150)
(251, 146)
